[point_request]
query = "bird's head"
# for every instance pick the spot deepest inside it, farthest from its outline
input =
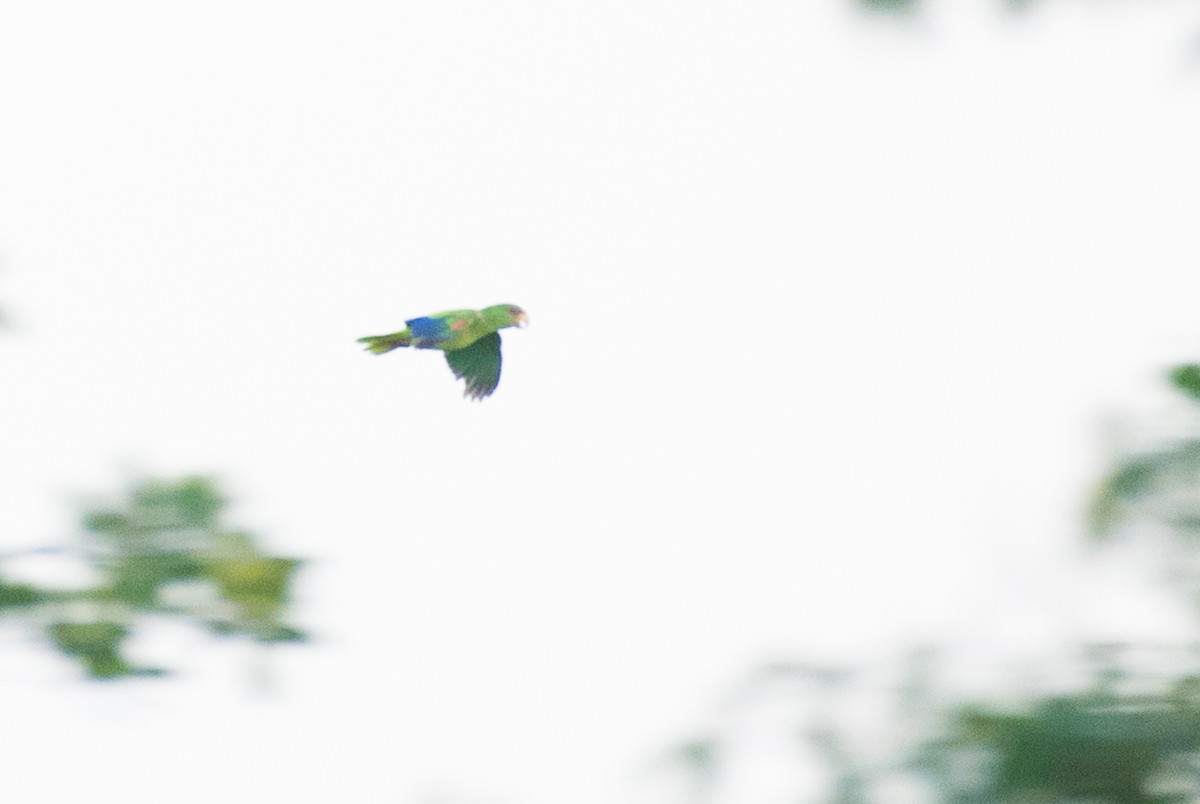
(500, 316)
(516, 315)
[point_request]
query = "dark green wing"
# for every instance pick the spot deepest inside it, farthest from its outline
(478, 364)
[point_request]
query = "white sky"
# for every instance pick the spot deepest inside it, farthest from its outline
(827, 312)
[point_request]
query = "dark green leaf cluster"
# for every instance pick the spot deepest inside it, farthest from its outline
(163, 551)
(97, 646)
(18, 595)
(1186, 378)
(1087, 747)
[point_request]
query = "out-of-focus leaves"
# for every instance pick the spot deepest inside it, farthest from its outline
(1129, 482)
(1089, 747)
(1162, 486)
(1187, 379)
(137, 579)
(1131, 736)
(160, 517)
(97, 646)
(1014, 6)
(191, 502)
(698, 754)
(18, 595)
(166, 537)
(258, 587)
(1104, 745)
(104, 522)
(888, 5)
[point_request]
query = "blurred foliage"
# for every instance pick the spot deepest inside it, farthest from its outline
(1155, 492)
(97, 646)
(1124, 732)
(909, 6)
(1109, 743)
(889, 5)
(1091, 746)
(1187, 379)
(914, 6)
(18, 595)
(162, 551)
(1115, 741)
(1121, 737)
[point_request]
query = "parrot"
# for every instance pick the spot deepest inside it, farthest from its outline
(470, 339)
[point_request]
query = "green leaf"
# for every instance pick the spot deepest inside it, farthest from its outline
(1186, 378)
(18, 595)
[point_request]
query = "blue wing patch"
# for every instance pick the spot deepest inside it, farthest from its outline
(427, 332)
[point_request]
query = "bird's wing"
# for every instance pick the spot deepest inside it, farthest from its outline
(478, 364)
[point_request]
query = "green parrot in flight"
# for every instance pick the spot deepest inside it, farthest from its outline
(470, 339)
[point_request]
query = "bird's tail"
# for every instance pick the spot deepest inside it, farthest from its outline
(379, 344)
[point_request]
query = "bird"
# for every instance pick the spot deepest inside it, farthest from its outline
(470, 339)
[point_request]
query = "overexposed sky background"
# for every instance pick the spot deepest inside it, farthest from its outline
(827, 314)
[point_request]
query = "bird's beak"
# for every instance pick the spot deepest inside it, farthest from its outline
(522, 320)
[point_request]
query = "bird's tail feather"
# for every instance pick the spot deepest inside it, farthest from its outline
(379, 344)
